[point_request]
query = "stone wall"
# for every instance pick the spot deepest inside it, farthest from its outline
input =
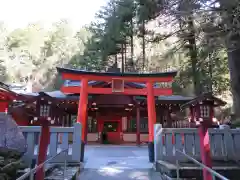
(12, 147)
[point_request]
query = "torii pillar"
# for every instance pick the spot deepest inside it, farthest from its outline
(82, 113)
(151, 119)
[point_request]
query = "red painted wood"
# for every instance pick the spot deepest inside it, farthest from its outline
(70, 76)
(113, 137)
(151, 111)
(205, 150)
(112, 99)
(3, 106)
(138, 125)
(42, 155)
(9, 95)
(91, 90)
(192, 113)
(20, 116)
(86, 126)
(82, 107)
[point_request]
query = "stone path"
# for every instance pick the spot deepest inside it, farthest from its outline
(117, 162)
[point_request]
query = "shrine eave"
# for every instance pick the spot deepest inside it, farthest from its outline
(168, 99)
(55, 94)
(7, 94)
(114, 74)
(205, 97)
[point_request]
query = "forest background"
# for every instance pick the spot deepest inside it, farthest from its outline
(198, 38)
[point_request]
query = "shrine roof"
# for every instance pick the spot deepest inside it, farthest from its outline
(175, 98)
(205, 97)
(168, 98)
(61, 96)
(6, 92)
(116, 74)
(54, 94)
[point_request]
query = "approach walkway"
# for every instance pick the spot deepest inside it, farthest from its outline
(117, 162)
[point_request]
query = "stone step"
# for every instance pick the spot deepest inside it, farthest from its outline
(71, 172)
(48, 169)
(166, 177)
(190, 171)
(111, 173)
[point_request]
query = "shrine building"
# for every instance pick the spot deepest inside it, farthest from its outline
(124, 106)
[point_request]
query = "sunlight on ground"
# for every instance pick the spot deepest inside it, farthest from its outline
(139, 175)
(116, 171)
(110, 171)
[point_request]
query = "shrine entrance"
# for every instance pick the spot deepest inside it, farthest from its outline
(110, 130)
(118, 86)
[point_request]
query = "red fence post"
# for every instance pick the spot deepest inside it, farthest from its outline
(205, 149)
(182, 139)
(43, 147)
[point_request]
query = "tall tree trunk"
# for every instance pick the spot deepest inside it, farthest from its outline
(132, 46)
(122, 51)
(233, 47)
(143, 45)
(193, 54)
(116, 59)
(125, 56)
(210, 61)
(234, 66)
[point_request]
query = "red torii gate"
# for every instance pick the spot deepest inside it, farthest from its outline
(118, 80)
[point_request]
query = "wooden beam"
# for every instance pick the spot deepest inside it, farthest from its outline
(138, 125)
(69, 76)
(91, 90)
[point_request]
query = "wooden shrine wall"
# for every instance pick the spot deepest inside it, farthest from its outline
(112, 99)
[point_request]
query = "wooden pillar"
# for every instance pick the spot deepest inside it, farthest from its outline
(151, 119)
(82, 106)
(66, 120)
(43, 146)
(69, 120)
(192, 122)
(82, 112)
(129, 129)
(205, 149)
(86, 132)
(168, 118)
(138, 124)
(161, 111)
(62, 120)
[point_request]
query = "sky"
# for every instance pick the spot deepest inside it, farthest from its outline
(19, 13)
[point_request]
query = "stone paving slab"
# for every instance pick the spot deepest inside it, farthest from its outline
(114, 174)
(117, 162)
